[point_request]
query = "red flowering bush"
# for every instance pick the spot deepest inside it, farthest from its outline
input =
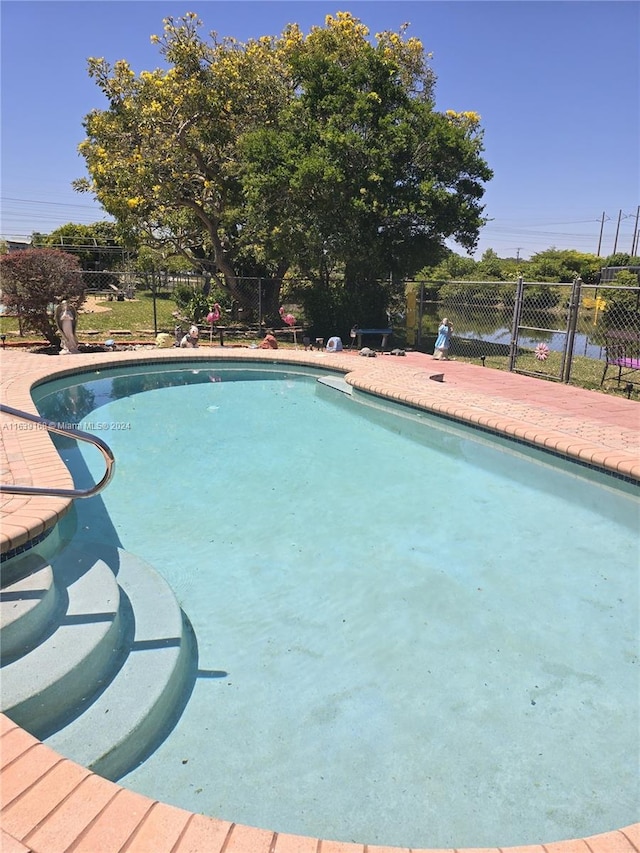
(34, 281)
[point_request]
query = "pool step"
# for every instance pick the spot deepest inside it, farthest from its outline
(27, 606)
(100, 659)
(77, 652)
(336, 382)
(133, 713)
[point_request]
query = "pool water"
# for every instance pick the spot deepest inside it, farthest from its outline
(408, 633)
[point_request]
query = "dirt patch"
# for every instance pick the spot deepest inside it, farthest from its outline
(93, 305)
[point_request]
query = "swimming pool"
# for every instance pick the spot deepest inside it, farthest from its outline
(397, 651)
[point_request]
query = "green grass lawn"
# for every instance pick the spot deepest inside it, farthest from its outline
(134, 315)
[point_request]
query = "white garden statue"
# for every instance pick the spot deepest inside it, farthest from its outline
(66, 317)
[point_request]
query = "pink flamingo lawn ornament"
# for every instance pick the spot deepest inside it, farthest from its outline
(290, 320)
(212, 318)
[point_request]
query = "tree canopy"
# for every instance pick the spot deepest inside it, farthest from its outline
(320, 153)
(97, 246)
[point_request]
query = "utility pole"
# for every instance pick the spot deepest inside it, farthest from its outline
(615, 242)
(601, 229)
(634, 239)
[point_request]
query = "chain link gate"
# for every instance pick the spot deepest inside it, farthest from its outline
(560, 331)
(534, 300)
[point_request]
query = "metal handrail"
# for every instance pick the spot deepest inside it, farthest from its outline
(78, 434)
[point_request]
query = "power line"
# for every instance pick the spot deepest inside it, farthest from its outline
(43, 201)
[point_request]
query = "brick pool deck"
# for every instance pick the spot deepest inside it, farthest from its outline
(49, 804)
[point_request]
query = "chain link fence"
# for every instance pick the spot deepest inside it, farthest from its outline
(562, 331)
(554, 330)
(244, 311)
(569, 332)
(253, 301)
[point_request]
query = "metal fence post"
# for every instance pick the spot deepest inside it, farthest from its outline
(154, 294)
(517, 313)
(572, 319)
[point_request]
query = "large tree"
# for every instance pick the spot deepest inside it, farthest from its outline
(360, 171)
(162, 158)
(323, 153)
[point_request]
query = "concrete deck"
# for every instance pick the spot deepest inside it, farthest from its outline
(48, 803)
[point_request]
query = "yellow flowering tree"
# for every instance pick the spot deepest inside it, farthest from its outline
(162, 158)
(320, 153)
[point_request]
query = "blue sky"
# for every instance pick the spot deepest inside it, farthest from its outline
(557, 85)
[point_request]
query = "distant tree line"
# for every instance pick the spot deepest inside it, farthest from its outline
(550, 265)
(101, 246)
